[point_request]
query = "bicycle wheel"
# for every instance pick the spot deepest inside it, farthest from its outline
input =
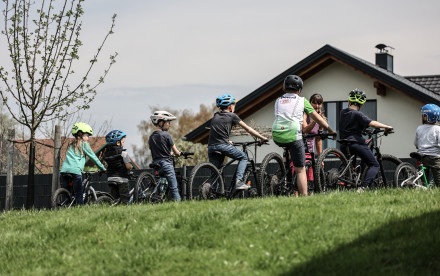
(272, 173)
(389, 163)
(61, 199)
(405, 175)
(331, 171)
(143, 188)
(205, 182)
(104, 200)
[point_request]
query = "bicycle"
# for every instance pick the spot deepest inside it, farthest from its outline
(334, 171)
(278, 183)
(62, 198)
(153, 188)
(209, 180)
(407, 176)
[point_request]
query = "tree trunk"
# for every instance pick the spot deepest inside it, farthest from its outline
(10, 169)
(31, 176)
(56, 159)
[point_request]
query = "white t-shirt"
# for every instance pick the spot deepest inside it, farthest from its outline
(427, 140)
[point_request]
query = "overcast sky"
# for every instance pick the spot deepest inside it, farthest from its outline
(181, 54)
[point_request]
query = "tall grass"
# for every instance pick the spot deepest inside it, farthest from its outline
(385, 232)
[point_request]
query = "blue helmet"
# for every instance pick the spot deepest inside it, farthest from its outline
(225, 100)
(432, 112)
(113, 136)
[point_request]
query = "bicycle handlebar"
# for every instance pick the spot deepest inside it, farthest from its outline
(370, 132)
(185, 154)
(319, 134)
(245, 144)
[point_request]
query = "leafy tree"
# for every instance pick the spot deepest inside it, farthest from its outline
(41, 85)
(186, 121)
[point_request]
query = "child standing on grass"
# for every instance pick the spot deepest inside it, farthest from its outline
(118, 165)
(77, 151)
(427, 140)
(161, 144)
(221, 125)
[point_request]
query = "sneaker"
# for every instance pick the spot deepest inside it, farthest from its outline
(240, 185)
(361, 189)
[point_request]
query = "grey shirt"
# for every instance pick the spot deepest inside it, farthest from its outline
(160, 143)
(427, 140)
(221, 125)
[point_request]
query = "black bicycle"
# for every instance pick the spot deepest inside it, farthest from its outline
(63, 198)
(333, 171)
(153, 188)
(207, 181)
(278, 183)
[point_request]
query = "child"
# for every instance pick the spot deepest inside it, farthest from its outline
(351, 124)
(310, 126)
(75, 160)
(118, 165)
(221, 125)
(427, 140)
(161, 143)
(287, 127)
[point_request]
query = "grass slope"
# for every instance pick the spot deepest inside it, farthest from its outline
(390, 232)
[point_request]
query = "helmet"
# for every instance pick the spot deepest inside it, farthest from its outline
(293, 82)
(357, 96)
(113, 136)
(83, 127)
(225, 100)
(432, 111)
(161, 115)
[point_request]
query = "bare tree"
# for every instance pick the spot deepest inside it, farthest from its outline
(43, 43)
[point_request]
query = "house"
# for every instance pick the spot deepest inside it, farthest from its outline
(392, 99)
(44, 153)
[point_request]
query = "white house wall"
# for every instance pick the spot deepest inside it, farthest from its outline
(333, 83)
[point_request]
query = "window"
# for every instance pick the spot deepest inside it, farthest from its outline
(332, 110)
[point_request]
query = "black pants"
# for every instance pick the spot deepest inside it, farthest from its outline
(120, 190)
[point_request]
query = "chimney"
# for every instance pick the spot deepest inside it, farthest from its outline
(383, 58)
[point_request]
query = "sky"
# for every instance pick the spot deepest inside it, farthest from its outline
(180, 54)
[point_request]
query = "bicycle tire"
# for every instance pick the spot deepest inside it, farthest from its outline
(405, 172)
(329, 177)
(103, 200)
(61, 199)
(143, 188)
(390, 163)
(272, 172)
(199, 183)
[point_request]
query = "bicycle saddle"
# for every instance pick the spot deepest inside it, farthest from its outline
(416, 155)
(155, 166)
(68, 176)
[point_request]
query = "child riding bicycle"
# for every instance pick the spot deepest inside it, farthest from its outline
(118, 165)
(351, 124)
(76, 154)
(287, 127)
(427, 140)
(221, 125)
(161, 143)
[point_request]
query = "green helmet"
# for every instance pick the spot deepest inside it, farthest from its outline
(83, 127)
(357, 96)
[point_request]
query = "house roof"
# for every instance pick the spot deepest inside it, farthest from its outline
(431, 82)
(309, 66)
(44, 155)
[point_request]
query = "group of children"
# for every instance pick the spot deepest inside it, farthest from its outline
(294, 115)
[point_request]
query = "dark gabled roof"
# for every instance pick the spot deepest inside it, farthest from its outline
(431, 82)
(309, 66)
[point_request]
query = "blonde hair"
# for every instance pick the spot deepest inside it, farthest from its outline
(76, 143)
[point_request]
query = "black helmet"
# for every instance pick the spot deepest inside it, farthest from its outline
(293, 82)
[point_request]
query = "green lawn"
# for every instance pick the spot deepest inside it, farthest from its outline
(389, 232)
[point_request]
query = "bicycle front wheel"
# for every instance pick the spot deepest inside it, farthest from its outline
(143, 188)
(331, 171)
(61, 199)
(389, 163)
(405, 176)
(272, 174)
(205, 182)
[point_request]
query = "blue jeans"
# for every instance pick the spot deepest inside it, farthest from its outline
(367, 157)
(168, 172)
(76, 187)
(229, 151)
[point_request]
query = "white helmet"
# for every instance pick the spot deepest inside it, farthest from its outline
(161, 115)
